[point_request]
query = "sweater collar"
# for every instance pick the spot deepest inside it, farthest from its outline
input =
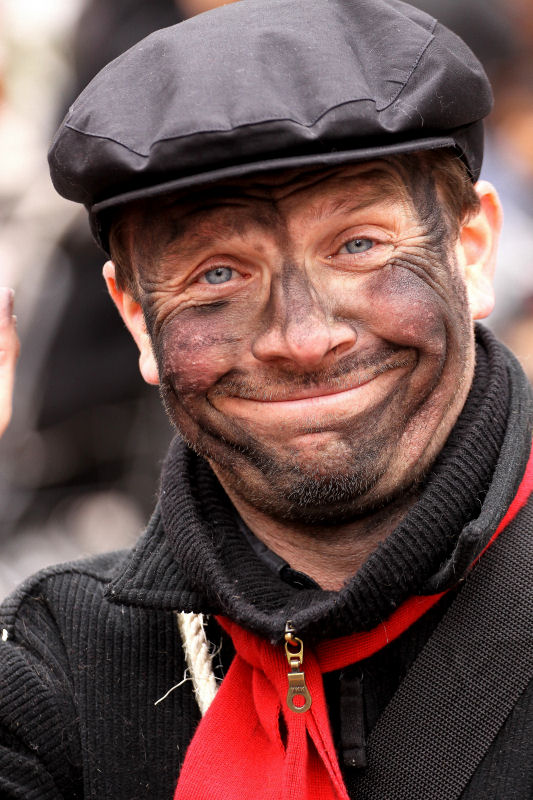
(194, 558)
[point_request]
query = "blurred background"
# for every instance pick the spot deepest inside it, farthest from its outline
(79, 464)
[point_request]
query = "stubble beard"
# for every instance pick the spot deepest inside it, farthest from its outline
(291, 489)
(290, 493)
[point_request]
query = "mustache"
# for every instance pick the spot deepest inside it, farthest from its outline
(279, 384)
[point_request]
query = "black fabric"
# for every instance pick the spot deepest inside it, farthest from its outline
(79, 678)
(78, 681)
(379, 678)
(464, 684)
(352, 741)
(252, 86)
(275, 563)
(87, 650)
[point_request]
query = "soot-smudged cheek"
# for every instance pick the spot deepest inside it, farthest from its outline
(193, 353)
(408, 311)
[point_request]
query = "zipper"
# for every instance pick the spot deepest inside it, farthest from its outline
(294, 650)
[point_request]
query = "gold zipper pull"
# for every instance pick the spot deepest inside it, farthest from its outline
(294, 650)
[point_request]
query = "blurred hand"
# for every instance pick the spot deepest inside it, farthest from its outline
(9, 350)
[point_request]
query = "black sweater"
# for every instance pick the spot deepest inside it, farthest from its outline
(87, 649)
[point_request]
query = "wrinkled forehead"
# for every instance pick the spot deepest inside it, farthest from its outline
(287, 190)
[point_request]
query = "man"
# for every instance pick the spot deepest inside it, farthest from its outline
(286, 191)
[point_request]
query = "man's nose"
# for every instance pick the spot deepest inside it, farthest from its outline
(298, 327)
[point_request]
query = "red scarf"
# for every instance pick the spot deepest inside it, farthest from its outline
(251, 746)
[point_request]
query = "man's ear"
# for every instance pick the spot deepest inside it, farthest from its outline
(131, 312)
(477, 250)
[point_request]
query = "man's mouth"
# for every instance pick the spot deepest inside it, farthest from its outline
(326, 402)
(311, 386)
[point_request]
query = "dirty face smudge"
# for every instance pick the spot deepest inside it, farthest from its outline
(312, 335)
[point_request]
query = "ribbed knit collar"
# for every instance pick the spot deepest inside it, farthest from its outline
(194, 557)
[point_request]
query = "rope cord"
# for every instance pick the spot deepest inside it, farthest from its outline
(199, 658)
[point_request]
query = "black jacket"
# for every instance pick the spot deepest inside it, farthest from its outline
(87, 649)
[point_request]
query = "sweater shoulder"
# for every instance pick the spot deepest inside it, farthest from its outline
(53, 585)
(43, 650)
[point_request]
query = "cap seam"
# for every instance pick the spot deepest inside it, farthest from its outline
(429, 41)
(263, 121)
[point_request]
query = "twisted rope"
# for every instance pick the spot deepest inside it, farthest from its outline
(198, 657)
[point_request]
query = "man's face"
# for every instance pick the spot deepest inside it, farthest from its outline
(312, 334)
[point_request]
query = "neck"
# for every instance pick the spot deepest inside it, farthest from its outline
(329, 554)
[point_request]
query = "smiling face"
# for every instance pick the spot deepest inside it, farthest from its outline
(312, 333)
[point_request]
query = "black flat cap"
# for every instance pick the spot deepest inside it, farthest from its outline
(268, 84)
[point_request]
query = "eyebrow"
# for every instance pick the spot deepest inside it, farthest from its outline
(190, 237)
(373, 185)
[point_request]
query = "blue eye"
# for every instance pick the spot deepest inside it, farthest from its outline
(355, 246)
(218, 275)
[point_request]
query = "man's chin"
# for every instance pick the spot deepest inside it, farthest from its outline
(301, 495)
(319, 478)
